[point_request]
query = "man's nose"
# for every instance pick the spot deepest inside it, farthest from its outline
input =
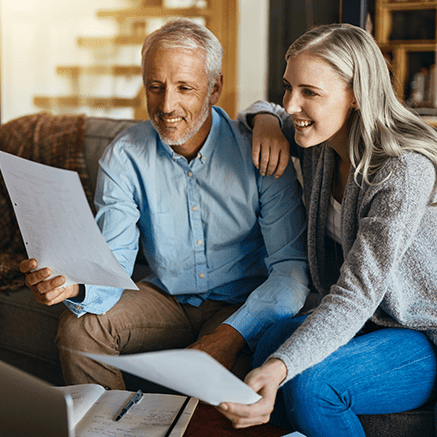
(169, 101)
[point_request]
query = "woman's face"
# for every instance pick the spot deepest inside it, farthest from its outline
(318, 101)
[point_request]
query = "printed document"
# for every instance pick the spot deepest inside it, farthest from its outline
(188, 371)
(57, 225)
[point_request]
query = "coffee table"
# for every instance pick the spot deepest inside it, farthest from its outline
(208, 422)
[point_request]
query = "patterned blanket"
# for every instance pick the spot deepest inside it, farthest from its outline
(47, 139)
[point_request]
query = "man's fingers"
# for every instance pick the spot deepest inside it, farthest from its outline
(35, 278)
(28, 265)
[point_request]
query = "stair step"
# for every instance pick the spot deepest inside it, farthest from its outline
(155, 12)
(114, 70)
(92, 102)
(91, 41)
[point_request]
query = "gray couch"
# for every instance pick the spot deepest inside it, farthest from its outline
(28, 329)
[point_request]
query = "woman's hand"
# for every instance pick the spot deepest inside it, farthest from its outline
(265, 380)
(270, 148)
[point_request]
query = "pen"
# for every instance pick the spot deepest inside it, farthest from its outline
(136, 398)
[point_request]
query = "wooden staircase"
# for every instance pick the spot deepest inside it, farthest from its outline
(220, 16)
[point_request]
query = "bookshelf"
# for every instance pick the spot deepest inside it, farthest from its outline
(406, 32)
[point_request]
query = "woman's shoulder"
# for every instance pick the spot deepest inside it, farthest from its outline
(410, 177)
(410, 164)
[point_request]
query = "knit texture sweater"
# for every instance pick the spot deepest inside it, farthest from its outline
(388, 273)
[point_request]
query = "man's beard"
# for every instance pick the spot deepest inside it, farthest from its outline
(190, 133)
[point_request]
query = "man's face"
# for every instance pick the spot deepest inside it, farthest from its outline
(178, 100)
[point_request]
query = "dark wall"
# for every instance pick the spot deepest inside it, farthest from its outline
(291, 18)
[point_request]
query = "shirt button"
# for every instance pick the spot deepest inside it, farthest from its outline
(201, 275)
(199, 155)
(190, 174)
(194, 208)
(199, 242)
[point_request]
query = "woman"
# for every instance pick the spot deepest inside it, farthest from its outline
(369, 176)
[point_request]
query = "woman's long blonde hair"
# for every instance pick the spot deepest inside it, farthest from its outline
(382, 127)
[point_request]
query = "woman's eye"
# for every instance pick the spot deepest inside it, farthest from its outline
(287, 87)
(309, 92)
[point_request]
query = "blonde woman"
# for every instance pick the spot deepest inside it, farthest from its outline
(369, 179)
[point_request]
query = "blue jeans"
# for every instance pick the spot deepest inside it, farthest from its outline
(386, 371)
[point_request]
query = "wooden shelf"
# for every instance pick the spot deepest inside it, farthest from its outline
(398, 43)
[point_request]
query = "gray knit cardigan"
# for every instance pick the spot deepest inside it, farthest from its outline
(389, 245)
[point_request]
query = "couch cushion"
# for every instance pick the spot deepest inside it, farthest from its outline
(99, 132)
(28, 327)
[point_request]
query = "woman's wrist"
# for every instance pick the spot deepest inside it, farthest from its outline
(265, 118)
(277, 368)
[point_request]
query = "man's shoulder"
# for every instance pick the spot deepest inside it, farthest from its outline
(237, 126)
(135, 142)
(141, 132)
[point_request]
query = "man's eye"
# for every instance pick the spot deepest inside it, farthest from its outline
(287, 87)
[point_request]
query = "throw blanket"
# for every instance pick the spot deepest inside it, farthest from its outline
(47, 139)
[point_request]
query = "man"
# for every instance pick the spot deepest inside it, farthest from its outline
(226, 246)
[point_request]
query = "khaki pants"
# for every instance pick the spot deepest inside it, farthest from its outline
(143, 320)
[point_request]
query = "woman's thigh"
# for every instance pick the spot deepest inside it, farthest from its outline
(387, 371)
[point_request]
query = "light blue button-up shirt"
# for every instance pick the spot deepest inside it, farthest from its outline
(212, 228)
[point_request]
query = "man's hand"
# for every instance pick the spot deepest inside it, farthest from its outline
(270, 148)
(265, 380)
(46, 291)
(223, 345)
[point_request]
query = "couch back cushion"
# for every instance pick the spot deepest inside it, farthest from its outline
(99, 133)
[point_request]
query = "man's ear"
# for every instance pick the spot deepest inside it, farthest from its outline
(216, 90)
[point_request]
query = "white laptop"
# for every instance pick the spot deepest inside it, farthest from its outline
(31, 407)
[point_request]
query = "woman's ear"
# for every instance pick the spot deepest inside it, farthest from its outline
(354, 105)
(217, 90)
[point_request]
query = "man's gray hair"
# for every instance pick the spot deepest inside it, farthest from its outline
(183, 33)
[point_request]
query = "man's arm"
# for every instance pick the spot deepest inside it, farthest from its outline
(282, 222)
(223, 344)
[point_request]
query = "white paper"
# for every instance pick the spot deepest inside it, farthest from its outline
(57, 225)
(188, 371)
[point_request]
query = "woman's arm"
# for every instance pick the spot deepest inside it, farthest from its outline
(270, 147)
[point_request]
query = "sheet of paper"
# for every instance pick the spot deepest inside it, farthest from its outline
(57, 224)
(188, 371)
